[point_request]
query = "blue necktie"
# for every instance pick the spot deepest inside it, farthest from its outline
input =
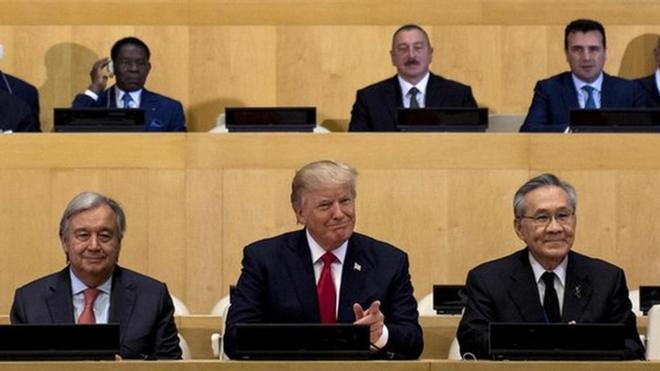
(126, 98)
(591, 102)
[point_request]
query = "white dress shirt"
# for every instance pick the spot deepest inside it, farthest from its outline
(560, 279)
(340, 254)
(101, 304)
(421, 86)
(583, 96)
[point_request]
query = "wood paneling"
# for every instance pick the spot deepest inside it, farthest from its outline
(193, 201)
(213, 54)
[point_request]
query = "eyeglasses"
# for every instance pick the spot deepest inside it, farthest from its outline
(562, 217)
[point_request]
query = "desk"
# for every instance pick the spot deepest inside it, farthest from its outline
(423, 365)
(439, 331)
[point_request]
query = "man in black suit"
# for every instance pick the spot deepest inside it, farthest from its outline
(94, 289)
(375, 107)
(27, 93)
(326, 273)
(651, 83)
(585, 86)
(15, 114)
(513, 288)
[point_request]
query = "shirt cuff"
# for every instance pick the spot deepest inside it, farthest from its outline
(382, 340)
(91, 94)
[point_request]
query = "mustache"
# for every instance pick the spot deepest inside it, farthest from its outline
(411, 62)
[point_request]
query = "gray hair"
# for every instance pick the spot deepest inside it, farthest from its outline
(319, 175)
(543, 180)
(90, 200)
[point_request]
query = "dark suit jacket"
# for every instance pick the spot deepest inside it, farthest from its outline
(141, 305)
(375, 107)
(556, 96)
(651, 89)
(27, 93)
(504, 290)
(161, 113)
(15, 114)
(277, 285)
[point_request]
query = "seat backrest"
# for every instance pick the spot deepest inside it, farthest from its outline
(425, 306)
(220, 306)
(180, 309)
(653, 334)
(185, 349)
(633, 295)
(217, 339)
(454, 351)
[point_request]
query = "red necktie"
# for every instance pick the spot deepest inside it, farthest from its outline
(326, 291)
(87, 315)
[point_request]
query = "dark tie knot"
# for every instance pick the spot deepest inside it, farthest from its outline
(413, 92)
(588, 88)
(548, 278)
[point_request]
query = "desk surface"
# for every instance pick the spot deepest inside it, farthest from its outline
(423, 365)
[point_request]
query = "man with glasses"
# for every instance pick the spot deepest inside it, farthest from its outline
(129, 63)
(545, 281)
(414, 86)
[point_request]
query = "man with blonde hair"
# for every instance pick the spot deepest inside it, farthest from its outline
(326, 273)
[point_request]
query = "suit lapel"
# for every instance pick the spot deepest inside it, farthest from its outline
(523, 290)
(434, 96)
(60, 303)
(568, 92)
(577, 292)
(391, 98)
(354, 272)
(608, 93)
(301, 271)
(122, 300)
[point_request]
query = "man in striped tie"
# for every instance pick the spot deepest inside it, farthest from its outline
(92, 288)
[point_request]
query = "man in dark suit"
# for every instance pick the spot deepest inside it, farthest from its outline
(586, 86)
(651, 83)
(27, 94)
(414, 86)
(130, 60)
(546, 281)
(94, 289)
(326, 273)
(15, 114)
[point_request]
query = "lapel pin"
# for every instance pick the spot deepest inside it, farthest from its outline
(578, 291)
(357, 267)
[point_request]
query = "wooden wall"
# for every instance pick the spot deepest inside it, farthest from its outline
(193, 201)
(212, 54)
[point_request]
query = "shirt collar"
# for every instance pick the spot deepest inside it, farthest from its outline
(598, 83)
(317, 251)
(657, 78)
(136, 94)
(77, 286)
(421, 85)
(559, 271)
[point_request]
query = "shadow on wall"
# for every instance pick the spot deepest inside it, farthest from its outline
(67, 74)
(202, 117)
(638, 59)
